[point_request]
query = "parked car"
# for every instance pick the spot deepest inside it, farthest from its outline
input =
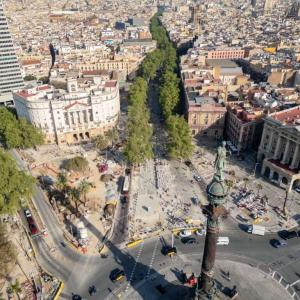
(33, 229)
(188, 240)
(27, 213)
(280, 243)
(185, 233)
(297, 189)
(117, 275)
(30, 220)
(200, 232)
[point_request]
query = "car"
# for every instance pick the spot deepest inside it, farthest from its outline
(197, 178)
(123, 199)
(189, 241)
(76, 297)
(33, 229)
(117, 275)
(297, 189)
(30, 220)
(279, 243)
(185, 233)
(287, 235)
(168, 250)
(27, 213)
(200, 232)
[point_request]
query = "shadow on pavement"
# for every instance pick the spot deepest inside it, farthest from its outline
(138, 274)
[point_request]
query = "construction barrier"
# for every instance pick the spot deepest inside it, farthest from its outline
(59, 291)
(134, 243)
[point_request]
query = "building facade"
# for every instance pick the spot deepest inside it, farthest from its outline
(10, 72)
(226, 54)
(242, 127)
(206, 117)
(77, 115)
(279, 150)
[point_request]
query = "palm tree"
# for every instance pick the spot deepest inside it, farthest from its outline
(84, 187)
(112, 135)
(16, 288)
(259, 188)
(101, 142)
(61, 182)
(246, 180)
(74, 194)
(229, 183)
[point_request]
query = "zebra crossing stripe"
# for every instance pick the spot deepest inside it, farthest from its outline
(153, 257)
(134, 267)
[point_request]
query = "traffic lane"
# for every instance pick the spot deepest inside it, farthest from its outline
(100, 277)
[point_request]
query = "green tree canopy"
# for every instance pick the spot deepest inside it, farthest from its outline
(138, 147)
(77, 164)
(84, 187)
(44, 79)
(101, 142)
(180, 139)
(62, 182)
(8, 253)
(112, 135)
(18, 133)
(15, 185)
(29, 78)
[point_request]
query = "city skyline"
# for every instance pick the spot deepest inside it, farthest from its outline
(149, 149)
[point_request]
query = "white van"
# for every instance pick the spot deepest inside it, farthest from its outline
(223, 240)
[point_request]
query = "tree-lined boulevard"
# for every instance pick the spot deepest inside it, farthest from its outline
(159, 69)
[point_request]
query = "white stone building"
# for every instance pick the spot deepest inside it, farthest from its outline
(90, 107)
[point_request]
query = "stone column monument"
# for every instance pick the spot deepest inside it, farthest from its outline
(216, 193)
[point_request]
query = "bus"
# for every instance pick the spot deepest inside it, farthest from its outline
(126, 185)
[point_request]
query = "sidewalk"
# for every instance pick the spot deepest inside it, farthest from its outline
(251, 283)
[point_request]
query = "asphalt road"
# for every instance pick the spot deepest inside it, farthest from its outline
(79, 271)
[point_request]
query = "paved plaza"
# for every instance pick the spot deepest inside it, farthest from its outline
(251, 283)
(247, 180)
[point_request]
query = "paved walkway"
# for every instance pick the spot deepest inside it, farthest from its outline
(252, 284)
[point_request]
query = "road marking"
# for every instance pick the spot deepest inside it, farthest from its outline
(153, 257)
(134, 267)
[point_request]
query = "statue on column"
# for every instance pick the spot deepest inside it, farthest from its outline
(216, 193)
(220, 162)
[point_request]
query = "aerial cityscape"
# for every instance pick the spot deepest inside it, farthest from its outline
(150, 149)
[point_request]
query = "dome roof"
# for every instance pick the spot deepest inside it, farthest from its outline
(217, 191)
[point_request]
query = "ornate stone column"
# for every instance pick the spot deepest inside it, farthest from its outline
(216, 192)
(295, 160)
(270, 143)
(278, 146)
(286, 152)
